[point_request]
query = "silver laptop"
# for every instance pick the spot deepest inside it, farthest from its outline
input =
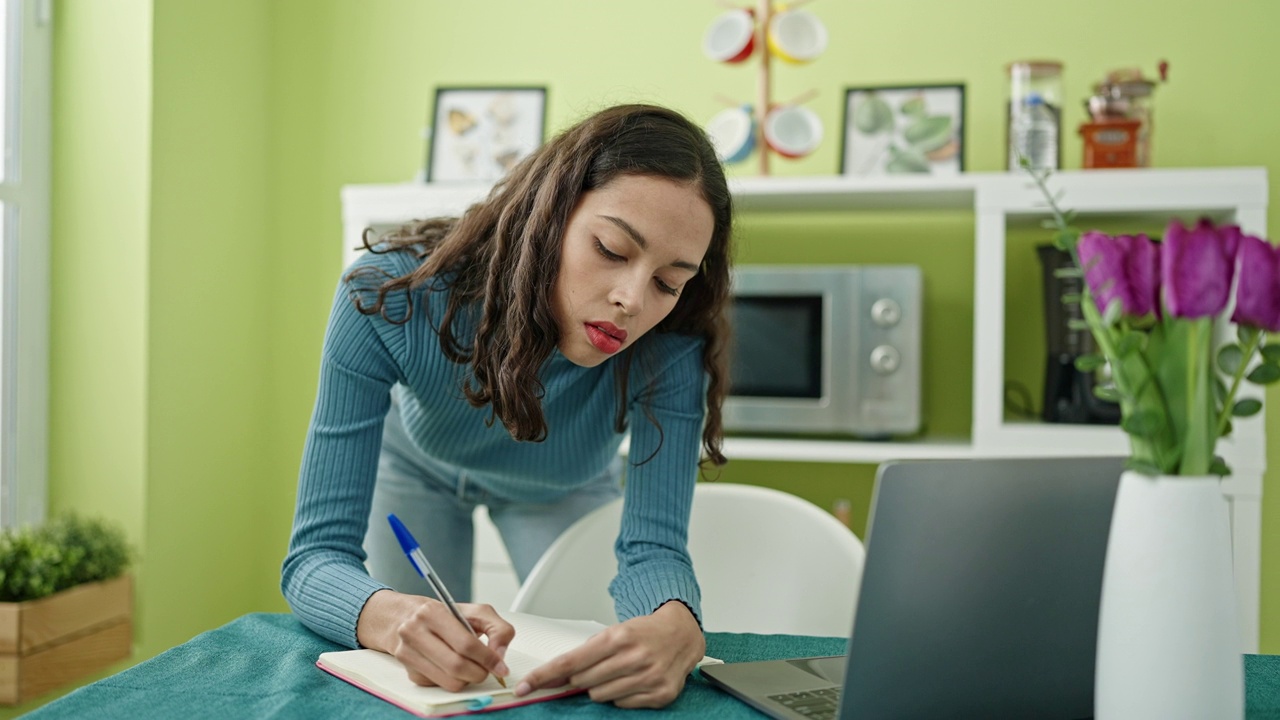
(979, 599)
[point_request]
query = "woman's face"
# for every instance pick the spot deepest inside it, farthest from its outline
(629, 249)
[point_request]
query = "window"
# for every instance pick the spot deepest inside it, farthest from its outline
(25, 69)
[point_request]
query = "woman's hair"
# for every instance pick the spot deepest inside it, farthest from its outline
(502, 258)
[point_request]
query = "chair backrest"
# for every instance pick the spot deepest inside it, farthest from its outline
(767, 562)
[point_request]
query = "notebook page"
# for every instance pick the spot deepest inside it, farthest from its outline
(546, 638)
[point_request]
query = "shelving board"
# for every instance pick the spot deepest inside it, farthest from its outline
(997, 199)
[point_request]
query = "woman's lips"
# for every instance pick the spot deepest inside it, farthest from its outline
(606, 337)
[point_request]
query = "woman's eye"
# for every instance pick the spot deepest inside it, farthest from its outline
(668, 289)
(606, 252)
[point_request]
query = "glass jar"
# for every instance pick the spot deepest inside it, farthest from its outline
(1126, 95)
(1033, 127)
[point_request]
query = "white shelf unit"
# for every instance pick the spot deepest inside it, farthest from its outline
(997, 199)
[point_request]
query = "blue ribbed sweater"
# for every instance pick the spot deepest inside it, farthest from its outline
(365, 356)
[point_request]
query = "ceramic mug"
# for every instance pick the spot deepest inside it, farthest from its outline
(792, 131)
(732, 132)
(796, 36)
(731, 37)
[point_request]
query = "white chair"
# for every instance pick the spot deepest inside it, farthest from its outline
(767, 562)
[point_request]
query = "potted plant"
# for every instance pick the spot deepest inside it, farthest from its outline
(1168, 636)
(66, 603)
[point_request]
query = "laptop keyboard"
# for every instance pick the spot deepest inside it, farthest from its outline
(817, 704)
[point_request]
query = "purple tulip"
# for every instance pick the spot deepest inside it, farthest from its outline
(1196, 267)
(1258, 285)
(1124, 267)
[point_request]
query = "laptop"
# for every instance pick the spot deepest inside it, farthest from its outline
(979, 598)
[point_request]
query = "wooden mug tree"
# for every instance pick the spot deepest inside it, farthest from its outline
(764, 13)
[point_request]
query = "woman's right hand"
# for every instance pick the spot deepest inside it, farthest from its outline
(430, 642)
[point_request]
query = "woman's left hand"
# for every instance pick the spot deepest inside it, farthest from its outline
(641, 663)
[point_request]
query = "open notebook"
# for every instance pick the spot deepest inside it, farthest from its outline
(538, 639)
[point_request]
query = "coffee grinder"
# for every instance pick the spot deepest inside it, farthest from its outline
(1068, 392)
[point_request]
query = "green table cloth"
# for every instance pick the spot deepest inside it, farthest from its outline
(263, 666)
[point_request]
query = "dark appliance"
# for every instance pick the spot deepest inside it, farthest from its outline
(1068, 392)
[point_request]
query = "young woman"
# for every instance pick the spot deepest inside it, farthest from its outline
(498, 359)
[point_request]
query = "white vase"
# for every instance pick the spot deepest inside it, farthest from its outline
(1169, 642)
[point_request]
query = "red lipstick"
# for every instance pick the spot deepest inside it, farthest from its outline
(605, 336)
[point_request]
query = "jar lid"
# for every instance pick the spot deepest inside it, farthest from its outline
(1037, 68)
(1125, 89)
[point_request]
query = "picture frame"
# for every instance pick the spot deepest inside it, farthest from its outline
(903, 130)
(478, 133)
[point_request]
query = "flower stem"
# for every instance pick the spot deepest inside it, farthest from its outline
(1198, 431)
(1059, 218)
(1229, 401)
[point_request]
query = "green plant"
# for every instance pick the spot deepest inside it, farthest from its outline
(69, 550)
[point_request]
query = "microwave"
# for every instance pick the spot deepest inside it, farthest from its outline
(825, 350)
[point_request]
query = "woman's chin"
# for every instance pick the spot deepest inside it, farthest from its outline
(582, 355)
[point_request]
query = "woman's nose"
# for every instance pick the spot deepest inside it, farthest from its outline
(628, 296)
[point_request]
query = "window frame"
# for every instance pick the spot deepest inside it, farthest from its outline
(25, 193)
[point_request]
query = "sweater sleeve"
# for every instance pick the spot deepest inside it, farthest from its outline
(323, 577)
(653, 557)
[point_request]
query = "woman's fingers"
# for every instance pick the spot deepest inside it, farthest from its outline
(499, 632)
(440, 649)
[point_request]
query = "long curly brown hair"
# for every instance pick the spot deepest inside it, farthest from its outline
(503, 256)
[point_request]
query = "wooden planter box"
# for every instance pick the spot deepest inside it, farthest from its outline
(52, 641)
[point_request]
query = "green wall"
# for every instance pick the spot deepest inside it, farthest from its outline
(200, 148)
(163, 271)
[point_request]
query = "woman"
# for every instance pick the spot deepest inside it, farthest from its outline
(498, 359)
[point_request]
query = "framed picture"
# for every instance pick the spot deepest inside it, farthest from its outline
(903, 129)
(480, 133)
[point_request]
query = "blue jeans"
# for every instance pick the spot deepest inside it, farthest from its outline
(435, 500)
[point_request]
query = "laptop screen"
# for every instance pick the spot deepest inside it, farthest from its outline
(981, 589)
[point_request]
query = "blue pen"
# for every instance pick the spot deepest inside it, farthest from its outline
(419, 562)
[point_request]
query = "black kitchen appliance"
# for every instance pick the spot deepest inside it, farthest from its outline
(1068, 391)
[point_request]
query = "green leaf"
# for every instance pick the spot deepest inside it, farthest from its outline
(1078, 325)
(1089, 363)
(873, 116)
(1247, 334)
(1271, 354)
(1219, 467)
(928, 133)
(1070, 271)
(1141, 387)
(1230, 357)
(1219, 389)
(1114, 309)
(1107, 392)
(1066, 239)
(1130, 343)
(1246, 407)
(913, 106)
(1144, 424)
(1139, 466)
(906, 160)
(1071, 298)
(1264, 374)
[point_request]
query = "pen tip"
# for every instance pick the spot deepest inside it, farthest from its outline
(501, 681)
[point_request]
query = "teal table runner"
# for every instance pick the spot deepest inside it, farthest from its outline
(263, 666)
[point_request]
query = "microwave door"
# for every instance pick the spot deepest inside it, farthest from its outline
(780, 364)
